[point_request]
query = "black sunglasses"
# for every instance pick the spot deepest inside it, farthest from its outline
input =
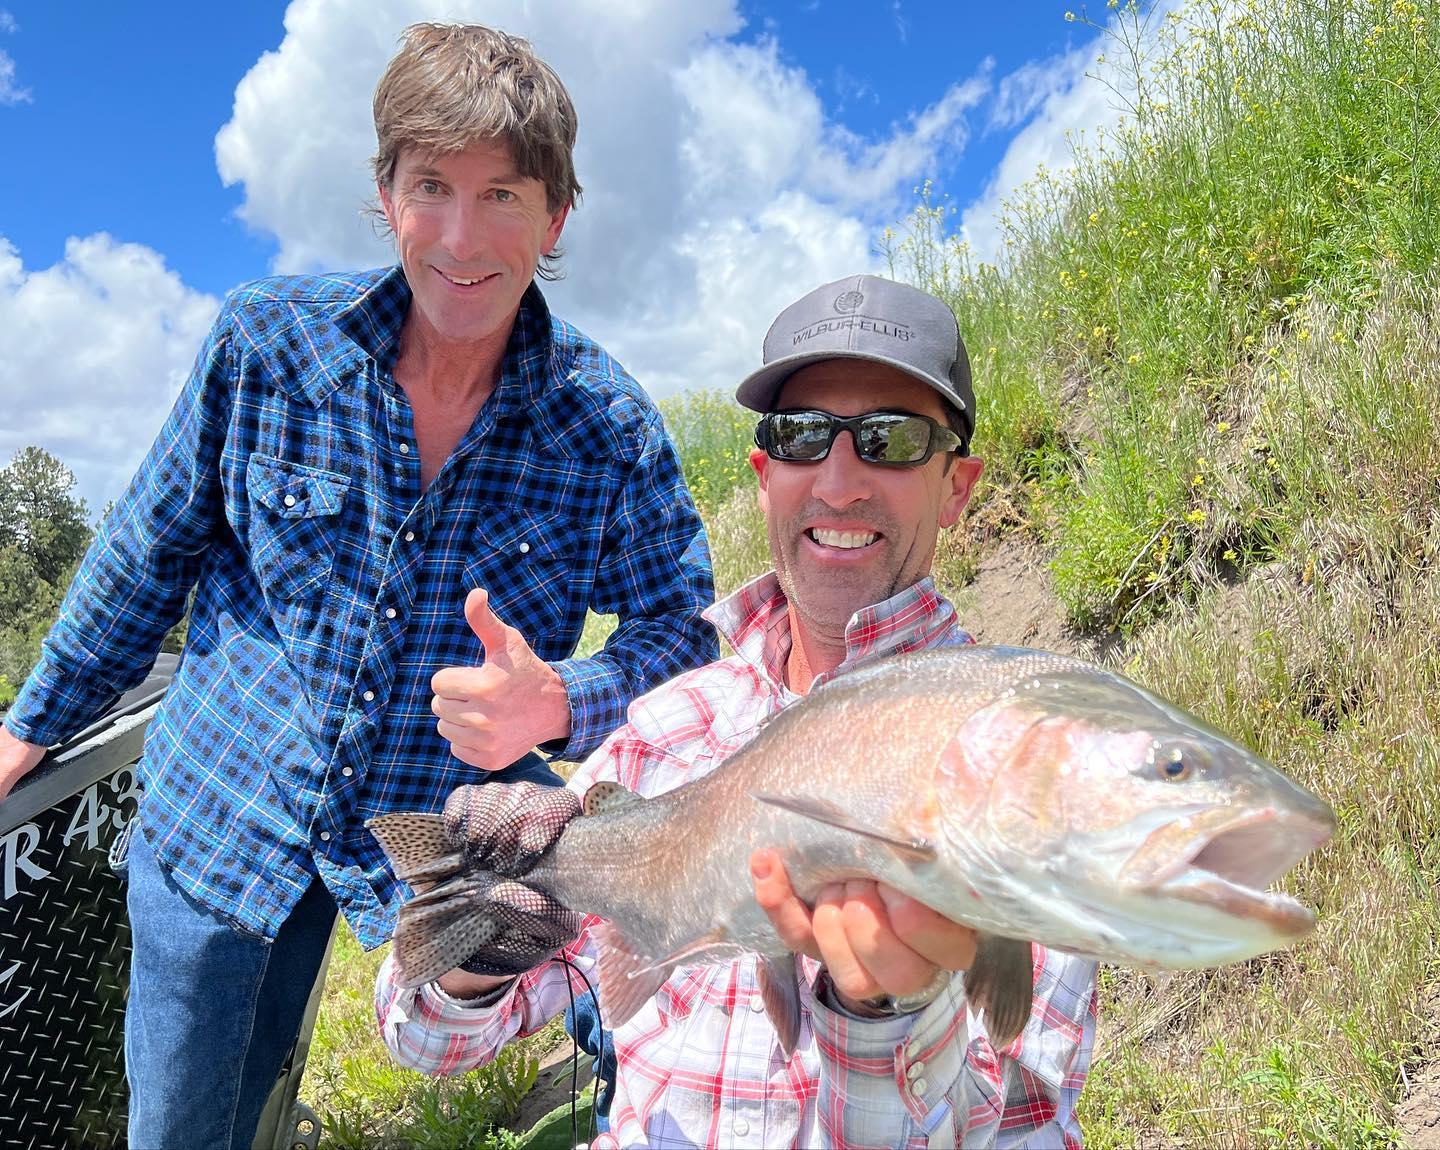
(889, 438)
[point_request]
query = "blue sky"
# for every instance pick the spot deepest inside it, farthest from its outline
(734, 152)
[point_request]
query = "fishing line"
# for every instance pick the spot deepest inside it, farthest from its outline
(575, 1058)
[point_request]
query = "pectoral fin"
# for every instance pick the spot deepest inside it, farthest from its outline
(1001, 980)
(834, 815)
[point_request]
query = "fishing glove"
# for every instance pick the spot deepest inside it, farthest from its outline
(528, 927)
(505, 829)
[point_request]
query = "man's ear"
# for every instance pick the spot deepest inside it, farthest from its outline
(962, 477)
(552, 233)
(760, 462)
(387, 205)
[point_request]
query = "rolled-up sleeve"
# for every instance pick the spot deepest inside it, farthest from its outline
(892, 1081)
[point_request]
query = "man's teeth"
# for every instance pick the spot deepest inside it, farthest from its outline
(845, 539)
(462, 283)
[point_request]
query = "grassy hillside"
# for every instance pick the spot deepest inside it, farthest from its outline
(1208, 364)
(1210, 370)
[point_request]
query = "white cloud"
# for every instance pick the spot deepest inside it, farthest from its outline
(10, 91)
(902, 25)
(93, 352)
(717, 189)
(1019, 94)
(1064, 101)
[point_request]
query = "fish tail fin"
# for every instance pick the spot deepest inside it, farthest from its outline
(780, 991)
(1002, 981)
(438, 931)
(417, 848)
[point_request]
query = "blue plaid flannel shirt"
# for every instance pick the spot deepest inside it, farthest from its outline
(285, 488)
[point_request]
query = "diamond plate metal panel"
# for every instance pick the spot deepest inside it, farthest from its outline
(65, 945)
(64, 963)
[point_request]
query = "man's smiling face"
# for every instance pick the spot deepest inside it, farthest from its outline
(470, 231)
(845, 534)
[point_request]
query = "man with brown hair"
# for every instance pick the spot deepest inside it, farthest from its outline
(351, 456)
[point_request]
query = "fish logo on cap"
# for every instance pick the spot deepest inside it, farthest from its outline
(848, 301)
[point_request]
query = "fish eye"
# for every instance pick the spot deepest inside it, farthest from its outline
(1171, 764)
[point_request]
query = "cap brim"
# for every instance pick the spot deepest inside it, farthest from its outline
(757, 390)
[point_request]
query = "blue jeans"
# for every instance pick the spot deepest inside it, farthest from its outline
(213, 1010)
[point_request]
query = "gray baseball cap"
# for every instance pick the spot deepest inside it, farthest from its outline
(867, 317)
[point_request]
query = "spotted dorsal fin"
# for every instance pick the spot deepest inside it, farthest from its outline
(603, 798)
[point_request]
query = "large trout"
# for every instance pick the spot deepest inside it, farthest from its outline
(1026, 794)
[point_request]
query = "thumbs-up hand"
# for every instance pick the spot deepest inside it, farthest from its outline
(493, 714)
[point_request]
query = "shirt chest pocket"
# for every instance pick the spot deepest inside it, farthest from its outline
(294, 522)
(533, 566)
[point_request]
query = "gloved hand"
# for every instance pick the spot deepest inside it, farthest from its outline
(506, 828)
(502, 830)
(530, 926)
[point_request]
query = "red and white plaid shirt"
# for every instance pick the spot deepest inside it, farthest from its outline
(700, 1064)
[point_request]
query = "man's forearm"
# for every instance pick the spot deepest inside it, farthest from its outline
(17, 759)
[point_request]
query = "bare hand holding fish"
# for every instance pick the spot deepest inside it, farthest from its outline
(1025, 795)
(872, 939)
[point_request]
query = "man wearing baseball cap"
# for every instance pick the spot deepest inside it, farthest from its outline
(863, 457)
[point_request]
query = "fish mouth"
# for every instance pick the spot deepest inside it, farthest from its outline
(1229, 864)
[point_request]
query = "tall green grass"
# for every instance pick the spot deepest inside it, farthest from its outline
(1278, 167)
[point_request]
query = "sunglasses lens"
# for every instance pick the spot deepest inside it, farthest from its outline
(799, 435)
(884, 437)
(893, 439)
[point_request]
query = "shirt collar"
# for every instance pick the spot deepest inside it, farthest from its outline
(374, 320)
(755, 621)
